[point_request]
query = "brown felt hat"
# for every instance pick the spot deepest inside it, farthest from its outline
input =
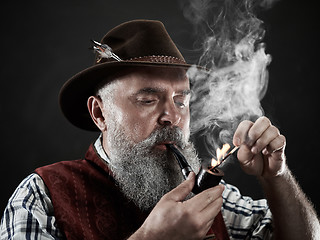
(136, 43)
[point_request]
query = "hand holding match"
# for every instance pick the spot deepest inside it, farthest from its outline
(261, 148)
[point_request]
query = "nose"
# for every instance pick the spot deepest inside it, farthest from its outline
(170, 115)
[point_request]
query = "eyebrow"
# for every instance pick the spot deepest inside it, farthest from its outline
(185, 92)
(153, 90)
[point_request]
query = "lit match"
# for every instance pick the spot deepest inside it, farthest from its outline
(222, 155)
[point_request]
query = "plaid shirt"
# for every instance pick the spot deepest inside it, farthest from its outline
(30, 214)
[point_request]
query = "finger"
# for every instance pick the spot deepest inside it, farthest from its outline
(244, 154)
(181, 191)
(276, 144)
(208, 216)
(240, 136)
(202, 200)
(265, 139)
(212, 210)
(257, 129)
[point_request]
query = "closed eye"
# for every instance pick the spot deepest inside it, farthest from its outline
(147, 101)
(180, 104)
(182, 100)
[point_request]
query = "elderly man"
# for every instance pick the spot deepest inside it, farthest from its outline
(129, 186)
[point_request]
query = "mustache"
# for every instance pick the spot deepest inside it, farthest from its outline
(165, 134)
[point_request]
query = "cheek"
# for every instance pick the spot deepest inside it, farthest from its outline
(138, 125)
(185, 126)
(143, 127)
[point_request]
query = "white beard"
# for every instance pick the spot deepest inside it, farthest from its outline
(144, 174)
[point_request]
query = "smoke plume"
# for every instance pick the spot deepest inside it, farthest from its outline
(230, 37)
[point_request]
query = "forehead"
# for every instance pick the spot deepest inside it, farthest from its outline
(174, 78)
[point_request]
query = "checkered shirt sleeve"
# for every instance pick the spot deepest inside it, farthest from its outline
(29, 213)
(245, 218)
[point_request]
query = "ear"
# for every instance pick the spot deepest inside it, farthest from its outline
(95, 107)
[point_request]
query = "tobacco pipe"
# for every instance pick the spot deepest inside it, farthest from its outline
(205, 178)
(184, 165)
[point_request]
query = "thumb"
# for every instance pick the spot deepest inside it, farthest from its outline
(181, 191)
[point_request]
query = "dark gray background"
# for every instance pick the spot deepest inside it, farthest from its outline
(43, 43)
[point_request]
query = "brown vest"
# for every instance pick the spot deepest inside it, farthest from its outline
(88, 205)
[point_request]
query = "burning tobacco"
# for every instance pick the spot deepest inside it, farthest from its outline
(222, 155)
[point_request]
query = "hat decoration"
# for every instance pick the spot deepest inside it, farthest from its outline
(104, 51)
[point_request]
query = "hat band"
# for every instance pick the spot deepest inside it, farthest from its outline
(158, 59)
(147, 59)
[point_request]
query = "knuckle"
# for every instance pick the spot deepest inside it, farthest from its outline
(211, 194)
(197, 225)
(282, 139)
(246, 123)
(210, 199)
(185, 213)
(274, 130)
(264, 120)
(253, 134)
(260, 142)
(181, 214)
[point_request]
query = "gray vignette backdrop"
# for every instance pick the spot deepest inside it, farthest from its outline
(43, 43)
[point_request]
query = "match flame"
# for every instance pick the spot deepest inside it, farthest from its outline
(220, 153)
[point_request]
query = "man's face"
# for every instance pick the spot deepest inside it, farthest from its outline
(150, 99)
(142, 112)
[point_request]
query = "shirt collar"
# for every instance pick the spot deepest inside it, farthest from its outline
(99, 148)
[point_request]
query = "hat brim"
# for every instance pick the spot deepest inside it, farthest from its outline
(75, 92)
